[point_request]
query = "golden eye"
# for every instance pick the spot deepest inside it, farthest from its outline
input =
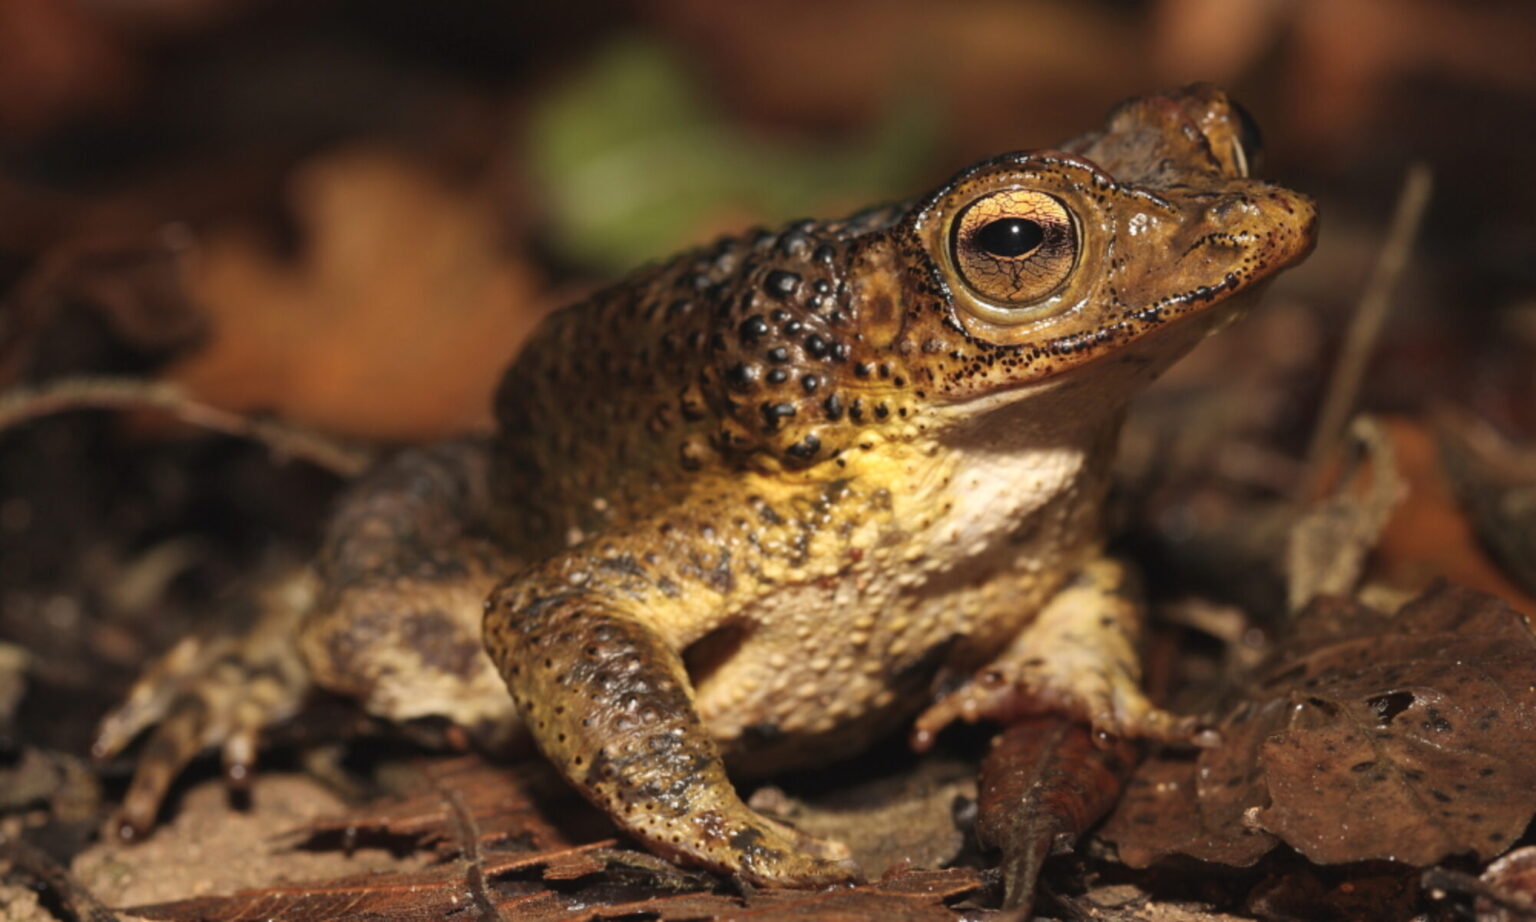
(1014, 248)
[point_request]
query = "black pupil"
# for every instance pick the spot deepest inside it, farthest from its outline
(1010, 237)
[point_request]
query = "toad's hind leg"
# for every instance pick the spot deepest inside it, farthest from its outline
(607, 699)
(212, 691)
(404, 577)
(390, 614)
(1079, 656)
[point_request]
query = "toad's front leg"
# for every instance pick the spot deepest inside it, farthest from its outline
(1079, 657)
(608, 701)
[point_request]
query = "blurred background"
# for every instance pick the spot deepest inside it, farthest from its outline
(349, 213)
(368, 202)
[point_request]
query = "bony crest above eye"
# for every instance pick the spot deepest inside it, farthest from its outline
(1012, 249)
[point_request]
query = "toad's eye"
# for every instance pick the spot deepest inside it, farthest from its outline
(1014, 248)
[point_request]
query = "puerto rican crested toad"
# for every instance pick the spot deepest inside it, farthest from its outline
(745, 506)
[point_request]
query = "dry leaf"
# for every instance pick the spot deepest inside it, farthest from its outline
(1496, 484)
(901, 820)
(1407, 737)
(1180, 805)
(209, 847)
(395, 323)
(427, 894)
(441, 892)
(504, 840)
(503, 802)
(1044, 783)
(1431, 536)
(1328, 545)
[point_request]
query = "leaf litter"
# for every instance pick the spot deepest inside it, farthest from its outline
(1043, 785)
(507, 842)
(1404, 737)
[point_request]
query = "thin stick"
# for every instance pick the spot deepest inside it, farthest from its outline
(468, 833)
(1458, 882)
(1365, 327)
(30, 861)
(18, 405)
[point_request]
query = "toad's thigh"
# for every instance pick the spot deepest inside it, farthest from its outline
(403, 580)
(408, 647)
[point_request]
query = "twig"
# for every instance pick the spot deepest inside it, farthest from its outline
(1330, 540)
(468, 834)
(1365, 327)
(21, 404)
(1451, 881)
(32, 862)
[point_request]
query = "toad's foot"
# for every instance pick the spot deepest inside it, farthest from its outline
(211, 692)
(1078, 657)
(607, 700)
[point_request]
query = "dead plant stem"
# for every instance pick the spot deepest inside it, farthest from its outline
(21, 404)
(1365, 326)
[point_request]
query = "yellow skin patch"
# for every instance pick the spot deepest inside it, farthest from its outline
(744, 507)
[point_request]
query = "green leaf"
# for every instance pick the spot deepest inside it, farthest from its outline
(635, 162)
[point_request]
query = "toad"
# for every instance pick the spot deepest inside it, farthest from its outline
(746, 508)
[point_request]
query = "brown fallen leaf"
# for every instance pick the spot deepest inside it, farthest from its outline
(1044, 783)
(1167, 810)
(430, 893)
(1495, 481)
(510, 840)
(1328, 546)
(396, 320)
(1406, 737)
(909, 896)
(1424, 753)
(209, 847)
(904, 819)
(441, 892)
(1432, 535)
(504, 802)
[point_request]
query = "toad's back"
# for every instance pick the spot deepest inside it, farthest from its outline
(738, 356)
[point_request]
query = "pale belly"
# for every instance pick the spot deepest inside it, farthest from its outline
(820, 669)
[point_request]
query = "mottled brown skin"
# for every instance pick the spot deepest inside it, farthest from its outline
(748, 505)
